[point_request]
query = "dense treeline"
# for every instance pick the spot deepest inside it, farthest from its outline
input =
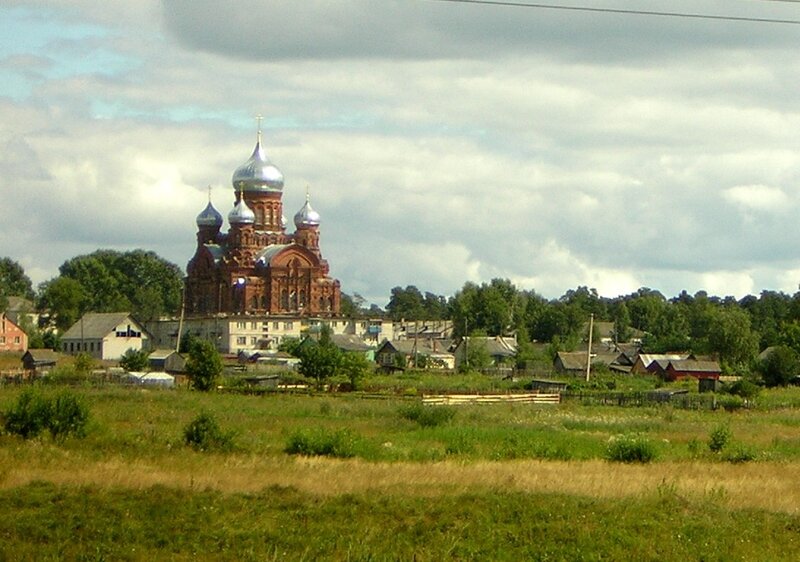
(734, 330)
(137, 281)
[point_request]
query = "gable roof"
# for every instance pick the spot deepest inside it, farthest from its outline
(349, 342)
(39, 356)
(497, 346)
(690, 365)
(97, 325)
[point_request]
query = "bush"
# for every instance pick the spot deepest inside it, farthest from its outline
(739, 454)
(731, 403)
(339, 444)
(744, 388)
(68, 416)
(719, 438)
(29, 416)
(204, 434)
(64, 415)
(428, 416)
(630, 449)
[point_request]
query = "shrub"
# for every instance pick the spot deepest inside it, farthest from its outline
(204, 434)
(339, 444)
(428, 416)
(630, 449)
(64, 415)
(719, 438)
(68, 416)
(731, 403)
(744, 388)
(739, 454)
(29, 416)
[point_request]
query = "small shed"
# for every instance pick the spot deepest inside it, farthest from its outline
(39, 361)
(690, 368)
(167, 360)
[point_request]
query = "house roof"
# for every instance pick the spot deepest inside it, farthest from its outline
(648, 358)
(349, 342)
(42, 355)
(576, 360)
(19, 304)
(161, 353)
(423, 346)
(497, 346)
(689, 365)
(97, 324)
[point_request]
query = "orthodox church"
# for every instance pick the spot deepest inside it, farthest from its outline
(257, 267)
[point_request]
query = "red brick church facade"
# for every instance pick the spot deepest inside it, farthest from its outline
(257, 267)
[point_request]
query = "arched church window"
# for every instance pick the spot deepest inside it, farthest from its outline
(301, 301)
(284, 300)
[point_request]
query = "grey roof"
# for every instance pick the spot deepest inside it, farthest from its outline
(161, 353)
(496, 346)
(690, 365)
(349, 342)
(98, 325)
(422, 346)
(42, 355)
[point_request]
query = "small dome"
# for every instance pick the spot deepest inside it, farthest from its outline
(241, 214)
(209, 217)
(258, 173)
(306, 216)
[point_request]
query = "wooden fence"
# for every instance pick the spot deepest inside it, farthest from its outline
(458, 399)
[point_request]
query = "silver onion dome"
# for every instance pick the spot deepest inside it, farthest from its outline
(241, 214)
(258, 173)
(209, 217)
(306, 216)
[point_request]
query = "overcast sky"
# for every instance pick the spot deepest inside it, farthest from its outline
(442, 142)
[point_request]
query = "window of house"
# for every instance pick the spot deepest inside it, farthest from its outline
(2, 339)
(254, 341)
(287, 325)
(276, 325)
(241, 325)
(254, 325)
(241, 340)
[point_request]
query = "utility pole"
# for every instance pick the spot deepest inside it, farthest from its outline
(589, 354)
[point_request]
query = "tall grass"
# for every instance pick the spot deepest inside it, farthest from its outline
(90, 523)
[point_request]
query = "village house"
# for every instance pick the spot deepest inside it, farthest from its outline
(500, 349)
(12, 337)
(401, 354)
(105, 335)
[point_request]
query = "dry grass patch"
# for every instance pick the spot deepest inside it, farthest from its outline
(768, 486)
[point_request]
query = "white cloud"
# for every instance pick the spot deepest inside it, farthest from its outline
(440, 146)
(758, 198)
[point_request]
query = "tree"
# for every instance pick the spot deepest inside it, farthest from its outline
(354, 366)
(730, 336)
(14, 281)
(319, 361)
(137, 281)
(66, 300)
(406, 304)
(780, 366)
(204, 365)
(134, 360)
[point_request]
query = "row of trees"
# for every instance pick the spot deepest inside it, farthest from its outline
(142, 282)
(104, 281)
(735, 330)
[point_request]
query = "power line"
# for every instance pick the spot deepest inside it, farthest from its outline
(631, 12)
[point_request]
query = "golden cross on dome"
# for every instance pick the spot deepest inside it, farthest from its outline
(209, 193)
(259, 118)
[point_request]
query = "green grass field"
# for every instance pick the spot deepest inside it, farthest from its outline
(489, 482)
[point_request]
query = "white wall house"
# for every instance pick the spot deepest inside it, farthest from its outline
(105, 335)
